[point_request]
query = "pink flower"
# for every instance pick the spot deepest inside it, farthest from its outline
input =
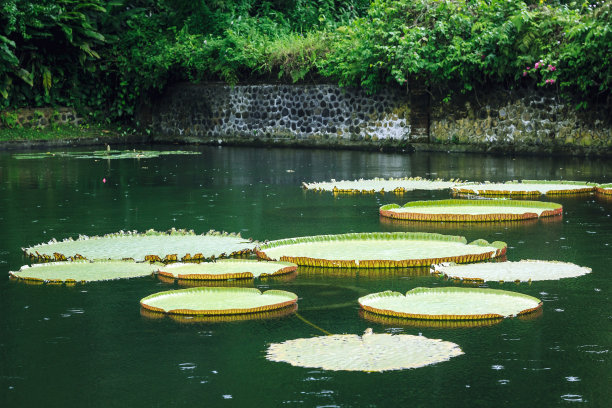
(528, 68)
(104, 180)
(524, 73)
(537, 65)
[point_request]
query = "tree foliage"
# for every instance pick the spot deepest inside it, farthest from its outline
(108, 56)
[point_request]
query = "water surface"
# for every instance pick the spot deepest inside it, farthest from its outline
(88, 345)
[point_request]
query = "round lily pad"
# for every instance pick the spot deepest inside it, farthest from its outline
(83, 271)
(605, 189)
(526, 188)
(471, 210)
(168, 246)
(526, 271)
(217, 301)
(379, 250)
(370, 352)
(380, 185)
(226, 269)
(450, 303)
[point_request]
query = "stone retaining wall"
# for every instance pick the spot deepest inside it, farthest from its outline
(282, 114)
(324, 115)
(520, 120)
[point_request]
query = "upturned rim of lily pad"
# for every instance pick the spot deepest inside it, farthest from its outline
(498, 248)
(371, 186)
(251, 300)
(526, 270)
(426, 323)
(497, 189)
(410, 211)
(230, 269)
(193, 319)
(46, 252)
(395, 304)
(64, 272)
(605, 189)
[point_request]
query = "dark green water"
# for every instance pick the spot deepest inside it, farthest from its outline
(89, 346)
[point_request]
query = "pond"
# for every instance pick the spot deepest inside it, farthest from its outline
(89, 345)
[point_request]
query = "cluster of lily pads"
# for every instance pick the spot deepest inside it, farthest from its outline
(187, 257)
(103, 154)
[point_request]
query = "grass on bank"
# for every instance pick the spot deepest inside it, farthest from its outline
(63, 132)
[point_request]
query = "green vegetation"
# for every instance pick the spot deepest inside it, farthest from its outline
(62, 132)
(106, 57)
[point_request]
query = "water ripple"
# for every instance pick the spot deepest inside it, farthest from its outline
(187, 366)
(572, 398)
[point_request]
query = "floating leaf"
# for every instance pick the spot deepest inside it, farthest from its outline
(379, 250)
(450, 303)
(83, 271)
(380, 185)
(165, 247)
(226, 269)
(526, 188)
(213, 301)
(527, 270)
(471, 210)
(370, 352)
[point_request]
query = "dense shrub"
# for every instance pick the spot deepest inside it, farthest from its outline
(109, 56)
(450, 43)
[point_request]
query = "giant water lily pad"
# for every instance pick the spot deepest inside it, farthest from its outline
(104, 154)
(450, 303)
(370, 352)
(526, 188)
(217, 301)
(379, 250)
(471, 210)
(168, 246)
(527, 270)
(83, 271)
(226, 269)
(381, 185)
